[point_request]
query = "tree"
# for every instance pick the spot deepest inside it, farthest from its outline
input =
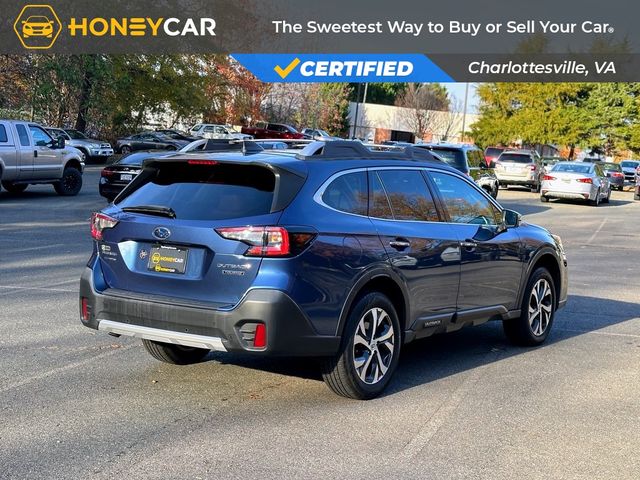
(422, 102)
(379, 93)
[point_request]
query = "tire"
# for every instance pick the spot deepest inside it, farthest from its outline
(70, 184)
(370, 347)
(536, 188)
(125, 149)
(636, 196)
(606, 200)
(14, 187)
(544, 199)
(532, 328)
(596, 202)
(174, 354)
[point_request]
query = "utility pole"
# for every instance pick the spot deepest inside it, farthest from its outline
(464, 112)
(355, 120)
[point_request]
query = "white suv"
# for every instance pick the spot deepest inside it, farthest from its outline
(210, 130)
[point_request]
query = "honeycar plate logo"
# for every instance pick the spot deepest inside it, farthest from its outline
(342, 67)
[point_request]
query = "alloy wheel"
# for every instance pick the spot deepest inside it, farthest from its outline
(540, 307)
(373, 345)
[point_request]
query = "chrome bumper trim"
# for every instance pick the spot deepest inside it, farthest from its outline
(165, 336)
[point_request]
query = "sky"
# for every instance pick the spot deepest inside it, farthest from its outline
(457, 90)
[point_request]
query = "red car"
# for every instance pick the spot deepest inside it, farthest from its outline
(491, 154)
(273, 130)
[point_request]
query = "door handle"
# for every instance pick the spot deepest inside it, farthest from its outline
(468, 245)
(35, 153)
(400, 243)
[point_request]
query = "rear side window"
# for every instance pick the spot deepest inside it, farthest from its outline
(207, 192)
(3, 134)
(348, 193)
(23, 136)
(493, 152)
(452, 156)
(408, 195)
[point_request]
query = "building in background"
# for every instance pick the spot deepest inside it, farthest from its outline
(379, 123)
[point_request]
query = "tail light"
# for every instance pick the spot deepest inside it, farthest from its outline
(585, 180)
(107, 173)
(99, 223)
(617, 174)
(548, 177)
(268, 241)
(202, 162)
(532, 168)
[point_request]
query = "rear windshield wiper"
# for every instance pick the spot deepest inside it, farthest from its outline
(152, 210)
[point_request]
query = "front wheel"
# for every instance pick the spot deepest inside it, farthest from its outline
(14, 187)
(70, 184)
(532, 327)
(125, 149)
(174, 354)
(370, 349)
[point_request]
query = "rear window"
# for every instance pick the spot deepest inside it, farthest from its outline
(515, 158)
(572, 167)
(451, 156)
(629, 164)
(493, 152)
(611, 166)
(207, 192)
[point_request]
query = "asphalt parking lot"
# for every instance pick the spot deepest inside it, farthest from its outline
(75, 403)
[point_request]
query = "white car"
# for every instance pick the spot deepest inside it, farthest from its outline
(576, 180)
(211, 130)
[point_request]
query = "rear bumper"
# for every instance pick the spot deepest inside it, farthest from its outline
(289, 332)
(566, 195)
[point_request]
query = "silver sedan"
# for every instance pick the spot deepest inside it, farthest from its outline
(576, 180)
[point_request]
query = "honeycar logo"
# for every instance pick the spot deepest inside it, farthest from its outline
(141, 26)
(37, 27)
(325, 67)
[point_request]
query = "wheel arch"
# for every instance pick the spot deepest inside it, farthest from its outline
(73, 163)
(546, 258)
(385, 282)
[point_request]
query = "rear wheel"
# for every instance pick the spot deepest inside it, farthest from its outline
(70, 184)
(369, 352)
(125, 149)
(544, 199)
(596, 202)
(174, 354)
(14, 187)
(606, 200)
(536, 312)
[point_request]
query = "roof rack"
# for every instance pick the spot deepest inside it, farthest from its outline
(354, 150)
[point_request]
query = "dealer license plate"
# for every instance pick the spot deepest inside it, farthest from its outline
(166, 259)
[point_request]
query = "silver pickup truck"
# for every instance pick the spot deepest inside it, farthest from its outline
(29, 155)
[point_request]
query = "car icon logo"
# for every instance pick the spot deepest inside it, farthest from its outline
(37, 26)
(161, 233)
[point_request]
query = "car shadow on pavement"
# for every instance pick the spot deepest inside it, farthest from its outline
(612, 202)
(441, 356)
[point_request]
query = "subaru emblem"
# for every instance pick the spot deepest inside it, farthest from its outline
(161, 233)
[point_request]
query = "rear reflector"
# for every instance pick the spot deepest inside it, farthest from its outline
(584, 180)
(548, 177)
(84, 309)
(263, 241)
(99, 223)
(260, 339)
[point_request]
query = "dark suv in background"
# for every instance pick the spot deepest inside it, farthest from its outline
(470, 160)
(337, 252)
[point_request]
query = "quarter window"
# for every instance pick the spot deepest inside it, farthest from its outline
(348, 193)
(3, 134)
(464, 203)
(408, 195)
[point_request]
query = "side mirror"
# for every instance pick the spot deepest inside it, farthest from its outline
(511, 218)
(61, 142)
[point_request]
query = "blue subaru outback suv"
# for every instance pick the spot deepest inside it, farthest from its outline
(336, 252)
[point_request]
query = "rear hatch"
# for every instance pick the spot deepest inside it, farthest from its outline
(572, 178)
(166, 241)
(515, 165)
